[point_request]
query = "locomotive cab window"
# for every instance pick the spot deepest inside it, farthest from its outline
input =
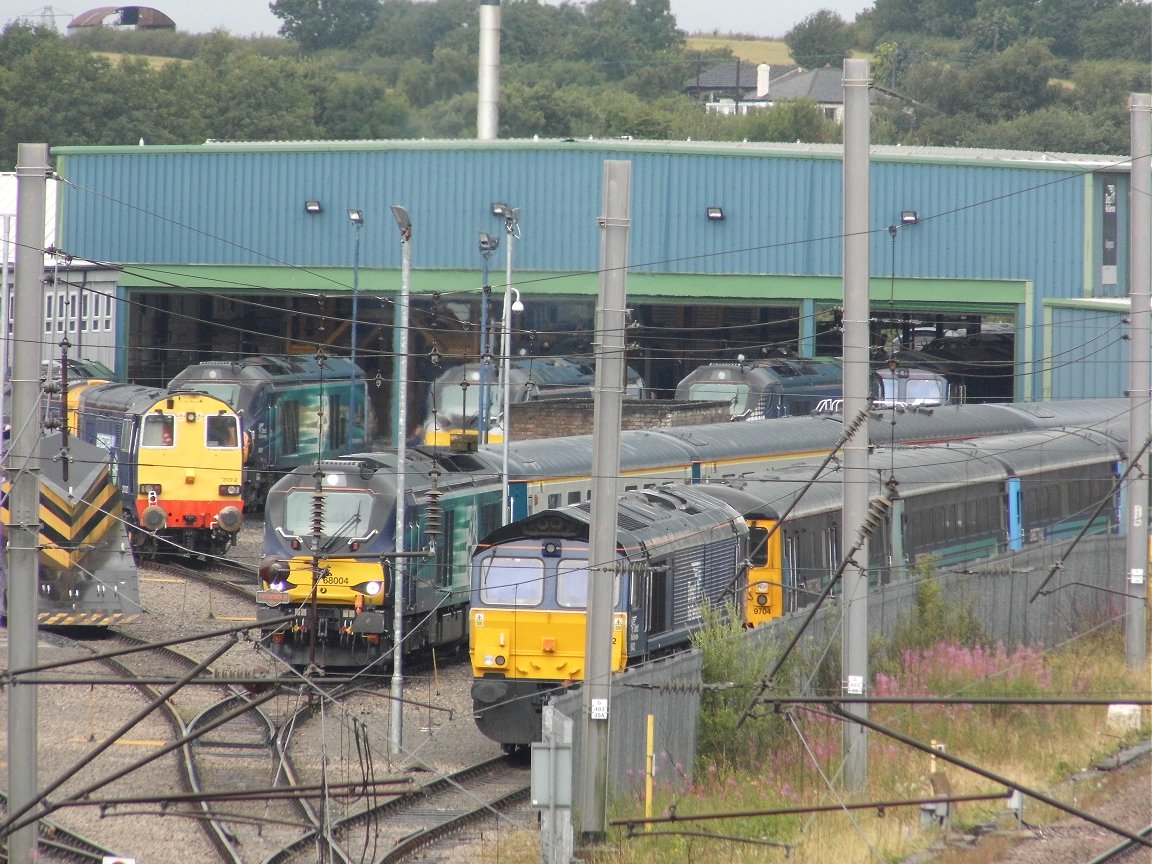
(509, 581)
(158, 430)
(758, 546)
(221, 430)
(572, 585)
(346, 514)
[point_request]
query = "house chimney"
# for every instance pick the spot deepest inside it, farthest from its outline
(763, 73)
(488, 74)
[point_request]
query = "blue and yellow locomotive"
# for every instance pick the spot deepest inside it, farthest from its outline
(677, 552)
(177, 458)
(329, 544)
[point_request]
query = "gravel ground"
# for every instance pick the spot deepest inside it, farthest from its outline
(439, 735)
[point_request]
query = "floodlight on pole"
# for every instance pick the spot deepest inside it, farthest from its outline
(511, 217)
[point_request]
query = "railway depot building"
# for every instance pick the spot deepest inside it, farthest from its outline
(234, 249)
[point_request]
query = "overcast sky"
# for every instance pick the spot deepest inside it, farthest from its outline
(247, 17)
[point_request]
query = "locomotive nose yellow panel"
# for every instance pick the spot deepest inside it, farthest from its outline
(544, 644)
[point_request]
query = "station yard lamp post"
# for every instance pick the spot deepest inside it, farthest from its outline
(400, 387)
(357, 217)
(511, 217)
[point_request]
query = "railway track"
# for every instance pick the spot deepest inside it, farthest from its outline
(58, 843)
(397, 829)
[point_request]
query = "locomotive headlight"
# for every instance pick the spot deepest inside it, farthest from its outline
(275, 575)
(762, 587)
(500, 661)
(229, 490)
(761, 599)
(370, 589)
(151, 490)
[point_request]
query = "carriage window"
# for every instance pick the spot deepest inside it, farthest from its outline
(554, 500)
(158, 430)
(221, 430)
(574, 497)
(509, 581)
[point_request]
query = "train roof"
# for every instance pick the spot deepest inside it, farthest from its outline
(131, 398)
(563, 457)
(272, 368)
(378, 470)
(919, 468)
(1028, 452)
(785, 436)
(649, 521)
(783, 370)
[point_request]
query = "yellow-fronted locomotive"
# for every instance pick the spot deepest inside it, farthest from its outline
(177, 458)
(329, 560)
(86, 573)
(677, 552)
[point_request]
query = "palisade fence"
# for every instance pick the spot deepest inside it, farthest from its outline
(1083, 594)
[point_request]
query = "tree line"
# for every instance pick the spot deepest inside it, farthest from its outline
(1046, 75)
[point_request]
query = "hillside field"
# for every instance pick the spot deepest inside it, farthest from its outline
(752, 50)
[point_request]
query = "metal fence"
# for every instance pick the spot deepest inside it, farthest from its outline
(1083, 593)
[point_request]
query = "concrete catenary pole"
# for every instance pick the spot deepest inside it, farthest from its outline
(399, 564)
(607, 407)
(488, 74)
(5, 265)
(854, 640)
(1139, 379)
(32, 171)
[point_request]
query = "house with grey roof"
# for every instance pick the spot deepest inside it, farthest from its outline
(738, 88)
(731, 87)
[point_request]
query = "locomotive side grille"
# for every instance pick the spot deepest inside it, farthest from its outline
(699, 578)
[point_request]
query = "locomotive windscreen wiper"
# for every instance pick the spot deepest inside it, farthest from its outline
(349, 523)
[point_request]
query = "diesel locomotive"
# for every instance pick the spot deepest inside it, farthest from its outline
(177, 458)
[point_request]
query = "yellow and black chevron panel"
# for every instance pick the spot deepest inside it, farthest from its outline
(70, 524)
(87, 575)
(85, 618)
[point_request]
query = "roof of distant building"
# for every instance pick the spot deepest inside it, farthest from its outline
(736, 74)
(141, 17)
(824, 86)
